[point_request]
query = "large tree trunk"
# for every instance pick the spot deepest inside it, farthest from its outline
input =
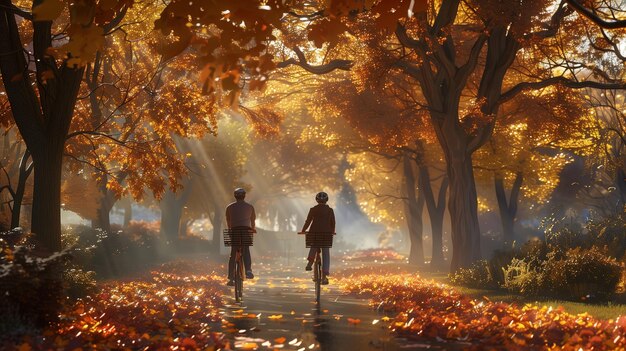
(171, 213)
(46, 215)
(508, 208)
(18, 197)
(172, 206)
(128, 212)
(218, 217)
(620, 184)
(436, 210)
(107, 200)
(463, 207)
(414, 207)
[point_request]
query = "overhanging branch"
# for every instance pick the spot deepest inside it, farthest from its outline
(593, 16)
(511, 93)
(345, 65)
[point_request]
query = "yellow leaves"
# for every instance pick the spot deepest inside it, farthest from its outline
(48, 10)
(275, 317)
(85, 41)
(248, 346)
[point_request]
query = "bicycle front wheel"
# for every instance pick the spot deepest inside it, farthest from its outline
(318, 280)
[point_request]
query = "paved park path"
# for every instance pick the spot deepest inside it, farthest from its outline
(279, 309)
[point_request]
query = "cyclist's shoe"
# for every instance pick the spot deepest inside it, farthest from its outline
(231, 282)
(249, 275)
(309, 266)
(324, 281)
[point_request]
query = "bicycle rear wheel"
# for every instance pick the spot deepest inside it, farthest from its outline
(318, 277)
(239, 276)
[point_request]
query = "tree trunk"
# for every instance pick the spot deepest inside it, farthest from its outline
(463, 207)
(128, 212)
(620, 184)
(107, 200)
(508, 208)
(413, 212)
(171, 213)
(172, 207)
(18, 197)
(218, 217)
(46, 213)
(436, 210)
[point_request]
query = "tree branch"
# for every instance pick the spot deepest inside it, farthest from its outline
(511, 93)
(593, 16)
(345, 65)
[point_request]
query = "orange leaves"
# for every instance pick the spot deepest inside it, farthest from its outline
(48, 10)
(275, 317)
(162, 311)
(84, 43)
(354, 321)
(426, 309)
(326, 31)
(280, 340)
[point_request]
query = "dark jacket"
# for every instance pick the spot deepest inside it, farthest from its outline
(321, 218)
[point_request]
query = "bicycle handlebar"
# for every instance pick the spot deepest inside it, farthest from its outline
(316, 233)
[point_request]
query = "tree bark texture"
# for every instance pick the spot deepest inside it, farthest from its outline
(508, 207)
(414, 207)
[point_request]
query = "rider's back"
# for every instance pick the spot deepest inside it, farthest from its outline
(240, 214)
(322, 219)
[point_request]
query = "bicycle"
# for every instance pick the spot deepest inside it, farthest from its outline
(239, 239)
(318, 241)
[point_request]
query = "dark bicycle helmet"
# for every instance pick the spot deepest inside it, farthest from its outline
(240, 193)
(321, 197)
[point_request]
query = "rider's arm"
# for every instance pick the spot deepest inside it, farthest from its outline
(332, 220)
(228, 217)
(309, 219)
(253, 220)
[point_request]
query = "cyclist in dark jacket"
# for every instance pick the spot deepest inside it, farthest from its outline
(240, 215)
(321, 219)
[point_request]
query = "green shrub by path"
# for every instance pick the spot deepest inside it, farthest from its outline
(582, 274)
(574, 263)
(31, 282)
(478, 276)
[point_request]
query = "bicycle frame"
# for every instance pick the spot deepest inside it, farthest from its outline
(238, 239)
(317, 269)
(317, 274)
(239, 274)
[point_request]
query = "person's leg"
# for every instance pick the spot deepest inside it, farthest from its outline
(310, 258)
(231, 263)
(326, 261)
(247, 259)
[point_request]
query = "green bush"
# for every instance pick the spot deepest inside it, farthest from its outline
(31, 283)
(113, 254)
(583, 274)
(79, 283)
(478, 276)
(573, 262)
(521, 277)
(610, 234)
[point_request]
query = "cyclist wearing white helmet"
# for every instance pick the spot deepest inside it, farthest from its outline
(240, 215)
(321, 219)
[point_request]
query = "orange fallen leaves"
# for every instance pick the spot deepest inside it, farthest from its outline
(429, 310)
(354, 321)
(280, 340)
(160, 311)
